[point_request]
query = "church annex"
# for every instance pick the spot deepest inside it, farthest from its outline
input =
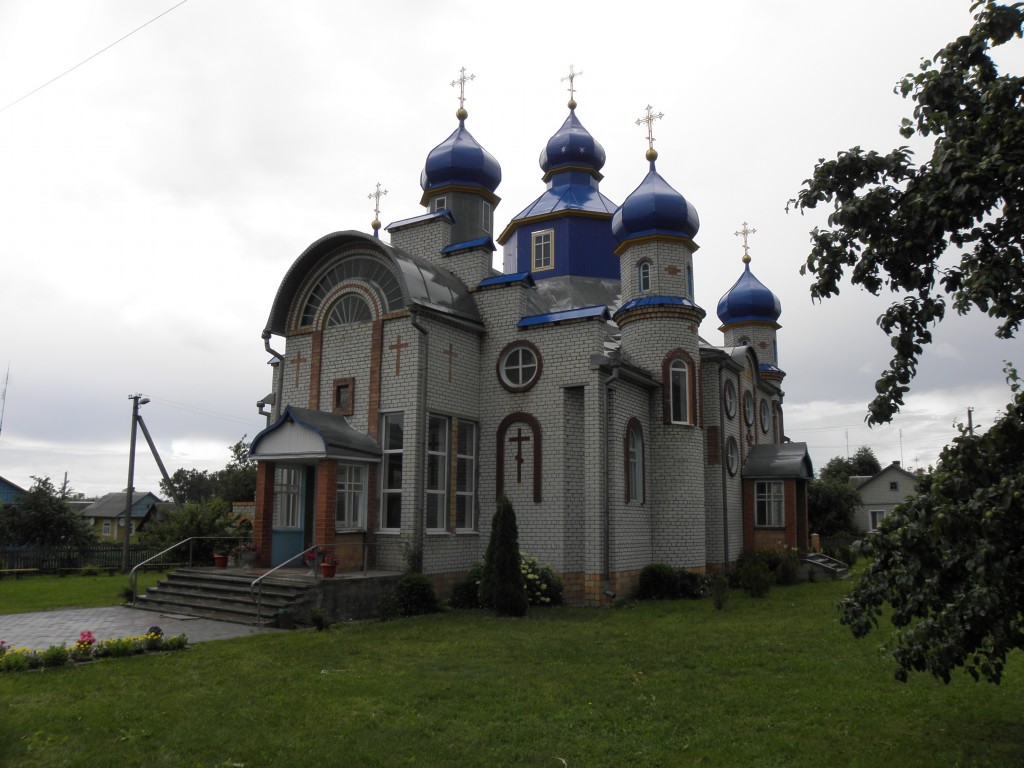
(413, 384)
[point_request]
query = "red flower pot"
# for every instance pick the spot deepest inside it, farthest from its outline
(220, 561)
(327, 570)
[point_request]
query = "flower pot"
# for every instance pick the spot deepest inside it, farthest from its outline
(327, 570)
(220, 561)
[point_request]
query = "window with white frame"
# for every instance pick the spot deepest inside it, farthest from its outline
(350, 511)
(486, 216)
(543, 250)
(877, 516)
(287, 496)
(437, 472)
(440, 203)
(768, 507)
(732, 455)
(392, 442)
(635, 464)
(679, 391)
(643, 277)
(106, 527)
(729, 397)
(465, 477)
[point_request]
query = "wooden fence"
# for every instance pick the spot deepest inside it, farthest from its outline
(104, 557)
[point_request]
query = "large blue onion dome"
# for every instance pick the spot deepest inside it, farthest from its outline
(655, 208)
(459, 160)
(572, 146)
(748, 301)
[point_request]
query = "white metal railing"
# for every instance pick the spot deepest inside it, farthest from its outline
(257, 583)
(133, 576)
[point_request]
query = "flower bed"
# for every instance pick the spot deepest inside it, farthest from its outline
(87, 648)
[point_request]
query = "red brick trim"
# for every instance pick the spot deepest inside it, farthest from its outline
(350, 383)
(634, 424)
(691, 385)
(314, 369)
(534, 426)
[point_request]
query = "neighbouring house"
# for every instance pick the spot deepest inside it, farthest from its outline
(879, 495)
(9, 492)
(106, 515)
(416, 384)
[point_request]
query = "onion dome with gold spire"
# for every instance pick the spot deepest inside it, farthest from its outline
(654, 207)
(749, 300)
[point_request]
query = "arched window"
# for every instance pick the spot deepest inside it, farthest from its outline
(350, 308)
(643, 277)
(367, 271)
(634, 462)
(679, 392)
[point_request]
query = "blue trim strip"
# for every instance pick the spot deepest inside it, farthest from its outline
(469, 245)
(569, 314)
(515, 277)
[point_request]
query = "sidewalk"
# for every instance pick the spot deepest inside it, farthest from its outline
(42, 629)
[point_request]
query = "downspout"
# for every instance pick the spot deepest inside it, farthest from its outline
(723, 448)
(279, 384)
(606, 487)
(421, 486)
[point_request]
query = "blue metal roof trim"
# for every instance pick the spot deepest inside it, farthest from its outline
(569, 314)
(421, 218)
(470, 245)
(769, 367)
(657, 301)
(515, 277)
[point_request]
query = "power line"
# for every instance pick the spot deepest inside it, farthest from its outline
(85, 61)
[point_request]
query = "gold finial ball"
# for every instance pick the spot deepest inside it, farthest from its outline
(746, 258)
(572, 103)
(375, 224)
(461, 113)
(652, 154)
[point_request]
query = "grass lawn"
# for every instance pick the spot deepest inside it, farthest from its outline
(44, 593)
(772, 682)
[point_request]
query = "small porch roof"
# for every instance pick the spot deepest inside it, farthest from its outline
(778, 461)
(302, 433)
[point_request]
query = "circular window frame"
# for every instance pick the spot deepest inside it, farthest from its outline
(766, 416)
(748, 409)
(506, 353)
(729, 399)
(732, 456)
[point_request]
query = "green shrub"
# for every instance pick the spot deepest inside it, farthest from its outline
(755, 577)
(56, 656)
(658, 581)
(720, 592)
(415, 595)
(543, 587)
(466, 593)
(15, 660)
(502, 586)
(689, 585)
(787, 572)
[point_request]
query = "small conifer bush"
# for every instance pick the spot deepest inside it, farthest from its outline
(502, 586)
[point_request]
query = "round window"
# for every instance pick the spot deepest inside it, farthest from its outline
(748, 409)
(729, 398)
(766, 416)
(519, 366)
(732, 455)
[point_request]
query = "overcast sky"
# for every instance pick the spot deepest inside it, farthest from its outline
(152, 199)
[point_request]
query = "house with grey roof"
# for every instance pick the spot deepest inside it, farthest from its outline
(880, 494)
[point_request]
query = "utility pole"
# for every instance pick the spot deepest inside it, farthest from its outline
(137, 400)
(970, 421)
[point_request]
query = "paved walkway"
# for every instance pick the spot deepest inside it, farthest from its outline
(42, 629)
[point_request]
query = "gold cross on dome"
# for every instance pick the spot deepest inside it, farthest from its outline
(571, 77)
(745, 232)
(649, 118)
(461, 82)
(376, 196)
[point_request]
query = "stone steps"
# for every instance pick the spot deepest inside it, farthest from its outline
(836, 569)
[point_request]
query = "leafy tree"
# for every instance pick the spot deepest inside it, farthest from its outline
(204, 519)
(236, 482)
(191, 486)
(862, 464)
(42, 517)
(892, 221)
(949, 560)
(502, 586)
(830, 507)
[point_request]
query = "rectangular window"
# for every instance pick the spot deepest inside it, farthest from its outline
(350, 514)
(486, 217)
(437, 473)
(287, 496)
(877, 516)
(768, 504)
(392, 440)
(440, 203)
(679, 392)
(106, 527)
(465, 478)
(543, 250)
(344, 395)
(894, 486)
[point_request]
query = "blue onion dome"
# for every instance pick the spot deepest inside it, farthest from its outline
(655, 208)
(572, 145)
(460, 160)
(748, 301)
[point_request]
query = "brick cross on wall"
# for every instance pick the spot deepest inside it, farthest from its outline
(297, 362)
(397, 348)
(519, 439)
(450, 354)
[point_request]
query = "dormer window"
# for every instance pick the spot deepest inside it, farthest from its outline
(440, 203)
(486, 217)
(643, 277)
(543, 250)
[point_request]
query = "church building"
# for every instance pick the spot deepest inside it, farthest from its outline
(413, 385)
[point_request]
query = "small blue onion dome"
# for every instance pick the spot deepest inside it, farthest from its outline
(572, 145)
(460, 160)
(748, 301)
(655, 208)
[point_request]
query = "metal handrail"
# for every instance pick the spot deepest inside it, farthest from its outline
(133, 575)
(258, 581)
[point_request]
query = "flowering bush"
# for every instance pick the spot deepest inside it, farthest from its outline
(87, 648)
(245, 547)
(329, 558)
(542, 586)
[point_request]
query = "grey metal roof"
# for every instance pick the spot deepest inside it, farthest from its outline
(112, 505)
(778, 460)
(304, 433)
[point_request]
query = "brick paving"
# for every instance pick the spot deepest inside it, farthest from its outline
(40, 630)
